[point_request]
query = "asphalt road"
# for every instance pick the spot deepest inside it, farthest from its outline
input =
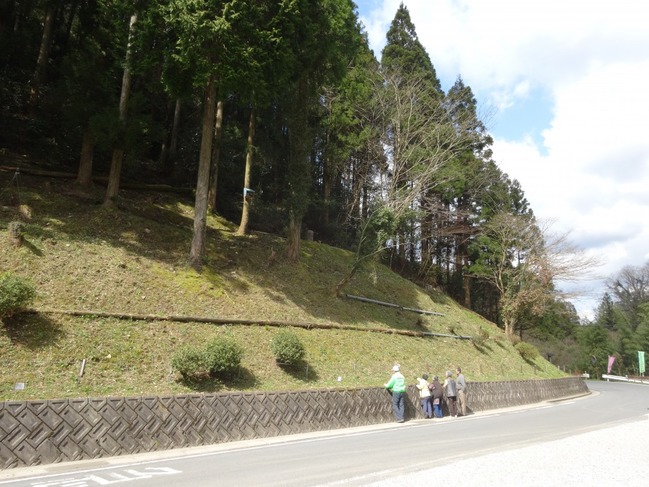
(358, 456)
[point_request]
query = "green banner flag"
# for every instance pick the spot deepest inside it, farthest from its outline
(641, 362)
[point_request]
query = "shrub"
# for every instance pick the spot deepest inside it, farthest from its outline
(527, 350)
(480, 338)
(15, 293)
(223, 356)
(190, 362)
(484, 334)
(287, 347)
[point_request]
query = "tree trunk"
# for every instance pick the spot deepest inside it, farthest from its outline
(424, 239)
(510, 325)
(467, 290)
(346, 280)
(175, 128)
(84, 175)
(294, 233)
(114, 176)
(329, 174)
(245, 212)
(326, 194)
(202, 185)
(169, 146)
(43, 55)
(163, 159)
(216, 156)
(118, 151)
(402, 247)
(365, 211)
(299, 167)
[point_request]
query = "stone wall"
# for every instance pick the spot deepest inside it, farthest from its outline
(48, 431)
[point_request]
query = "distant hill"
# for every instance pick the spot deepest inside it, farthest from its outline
(132, 260)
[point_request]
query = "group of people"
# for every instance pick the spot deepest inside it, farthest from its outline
(431, 394)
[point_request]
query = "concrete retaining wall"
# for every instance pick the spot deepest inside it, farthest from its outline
(49, 431)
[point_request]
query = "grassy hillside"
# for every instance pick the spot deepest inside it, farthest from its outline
(132, 259)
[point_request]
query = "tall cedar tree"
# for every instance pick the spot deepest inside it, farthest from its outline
(352, 150)
(118, 151)
(266, 51)
(212, 46)
(467, 179)
(403, 60)
(325, 39)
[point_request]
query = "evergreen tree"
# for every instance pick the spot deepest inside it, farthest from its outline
(595, 346)
(642, 331)
(463, 181)
(605, 315)
(405, 56)
(350, 147)
(630, 287)
(415, 123)
(119, 148)
(325, 35)
(211, 45)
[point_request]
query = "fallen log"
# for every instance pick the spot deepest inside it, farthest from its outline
(239, 321)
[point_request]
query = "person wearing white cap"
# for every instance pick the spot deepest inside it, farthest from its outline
(397, 387)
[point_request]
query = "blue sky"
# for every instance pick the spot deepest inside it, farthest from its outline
(562, 86)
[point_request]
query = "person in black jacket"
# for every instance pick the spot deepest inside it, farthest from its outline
(437, 396)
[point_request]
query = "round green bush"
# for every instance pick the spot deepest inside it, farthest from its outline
(223, 357)
(287, 347)
(190, 362)
(15, 293)
(527, 350)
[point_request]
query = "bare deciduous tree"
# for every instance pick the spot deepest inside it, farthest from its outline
(525, 262)
(418, 140)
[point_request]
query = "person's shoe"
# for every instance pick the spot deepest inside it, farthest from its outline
(400, 420)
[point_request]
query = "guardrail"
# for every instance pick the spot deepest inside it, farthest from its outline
(623, 378)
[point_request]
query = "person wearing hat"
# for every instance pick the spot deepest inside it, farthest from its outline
(397, 387)
(424, 396)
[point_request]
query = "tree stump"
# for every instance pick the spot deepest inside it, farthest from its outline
(16, 230)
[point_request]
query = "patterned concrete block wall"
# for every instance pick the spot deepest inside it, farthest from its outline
(42, 432)
(491, 395)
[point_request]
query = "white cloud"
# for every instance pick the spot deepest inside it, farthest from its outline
(590, 170)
